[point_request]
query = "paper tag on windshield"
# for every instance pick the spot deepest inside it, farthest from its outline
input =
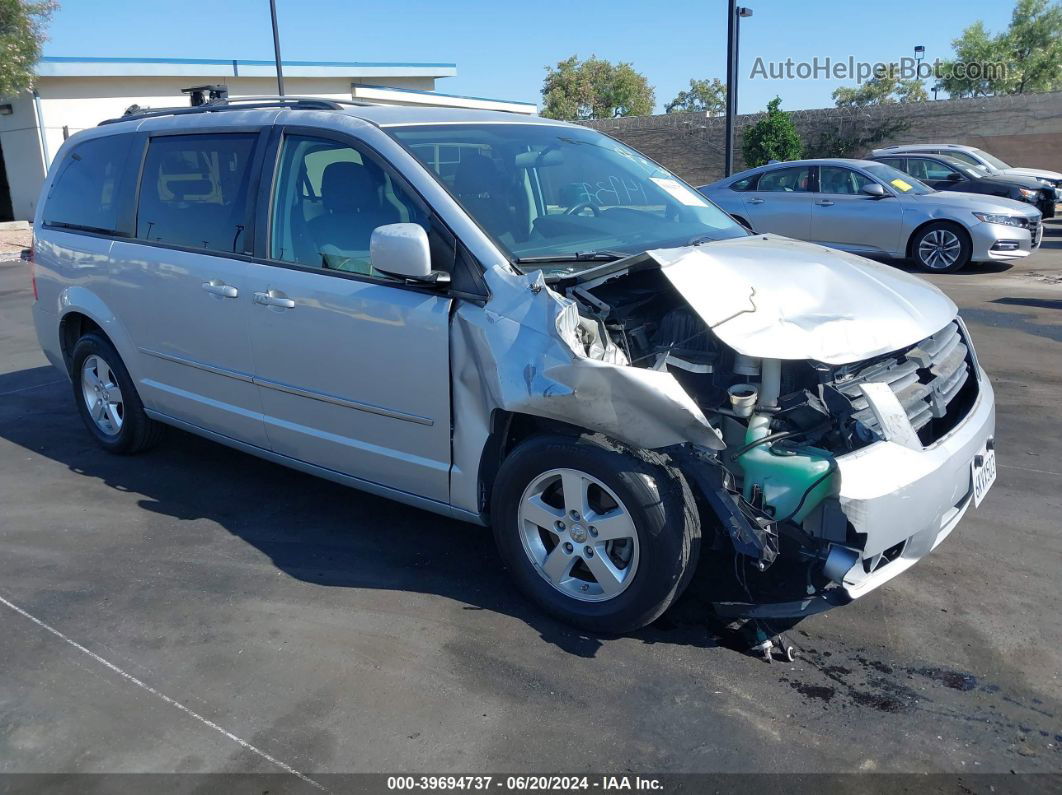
(901, 184)
(680, 192)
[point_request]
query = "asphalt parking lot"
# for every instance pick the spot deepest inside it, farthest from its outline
(199, 610)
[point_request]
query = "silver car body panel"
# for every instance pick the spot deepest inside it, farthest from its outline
(769, 296)
(865, 225)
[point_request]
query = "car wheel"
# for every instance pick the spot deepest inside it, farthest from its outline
(595, 536)
(941, 247)
(106, 399)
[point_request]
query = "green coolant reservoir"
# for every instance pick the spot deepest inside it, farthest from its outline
(785, 474)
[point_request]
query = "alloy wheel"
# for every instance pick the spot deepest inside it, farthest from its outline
(579, 535)
(102, 395)
(940, 249)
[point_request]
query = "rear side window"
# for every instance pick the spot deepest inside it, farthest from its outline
(895, 162)
(85, 192)
(194, 189)
(785, 180)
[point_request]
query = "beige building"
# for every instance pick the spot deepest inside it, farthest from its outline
(73, 94)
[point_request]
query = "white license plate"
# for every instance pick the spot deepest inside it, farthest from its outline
(983, 470)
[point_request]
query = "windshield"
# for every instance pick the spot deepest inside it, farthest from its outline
(897, 179)
(992, 160)
(560, 198)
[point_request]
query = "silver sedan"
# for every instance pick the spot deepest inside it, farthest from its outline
(870, 208)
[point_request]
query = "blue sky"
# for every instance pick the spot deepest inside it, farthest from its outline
(501, 48)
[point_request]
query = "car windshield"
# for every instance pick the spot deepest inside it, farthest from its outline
(559, 198)
(992, 160)
(897, 179)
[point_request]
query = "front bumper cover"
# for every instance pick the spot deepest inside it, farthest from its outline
(903, 502)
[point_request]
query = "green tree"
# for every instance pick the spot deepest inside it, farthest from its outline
(883, 88)
(21, 36)
(704, 96)
(595, 89)
(774, 137)
(1025, 58)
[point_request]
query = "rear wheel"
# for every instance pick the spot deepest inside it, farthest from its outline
(595, 536)
(941, 247)
(106, 399)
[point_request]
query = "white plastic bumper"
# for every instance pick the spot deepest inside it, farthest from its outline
(908, 501)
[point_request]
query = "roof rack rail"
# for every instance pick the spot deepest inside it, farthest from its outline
(240, 103)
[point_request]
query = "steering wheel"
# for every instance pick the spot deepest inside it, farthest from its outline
(596, 210)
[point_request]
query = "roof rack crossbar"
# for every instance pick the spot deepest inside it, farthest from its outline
(242, 103)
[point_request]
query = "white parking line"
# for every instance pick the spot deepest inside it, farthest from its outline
(129, 677)
(28, 388)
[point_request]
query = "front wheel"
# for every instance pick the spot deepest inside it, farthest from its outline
(941, 248)
(595, 536)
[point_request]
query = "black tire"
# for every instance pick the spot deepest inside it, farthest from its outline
(658, 501)
(965, 247)
(138, 432)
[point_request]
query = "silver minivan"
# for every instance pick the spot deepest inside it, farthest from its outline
(515, 322)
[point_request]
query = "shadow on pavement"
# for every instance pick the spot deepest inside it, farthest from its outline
(312, 529)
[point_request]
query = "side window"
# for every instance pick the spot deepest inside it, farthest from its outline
(744, 184)
(327, 201)
(838, 180)
(785, 180)
(84, 193)
(193, 191)
(895, 162)
(924, 169)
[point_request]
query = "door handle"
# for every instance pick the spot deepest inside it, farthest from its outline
(274, 298)
(824, 203)
(218, 287)
(756, 201)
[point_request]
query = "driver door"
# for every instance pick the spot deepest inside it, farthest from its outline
(844, 217)
(352, 366)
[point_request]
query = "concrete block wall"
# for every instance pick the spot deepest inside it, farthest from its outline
(1023, 130)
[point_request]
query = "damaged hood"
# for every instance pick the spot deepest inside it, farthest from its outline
(772, 297)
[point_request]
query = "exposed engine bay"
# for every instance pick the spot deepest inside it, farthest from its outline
(774, 485)
(815, 401)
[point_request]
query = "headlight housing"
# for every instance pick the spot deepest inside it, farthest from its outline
(1005, 220)
(1028, 193)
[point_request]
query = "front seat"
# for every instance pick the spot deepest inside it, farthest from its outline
(480, 187)
(350, 195)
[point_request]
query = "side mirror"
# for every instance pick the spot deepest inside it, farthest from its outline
(401, 250)
(954, 176)
(874, 190)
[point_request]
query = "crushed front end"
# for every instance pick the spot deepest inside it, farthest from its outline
(836, 475)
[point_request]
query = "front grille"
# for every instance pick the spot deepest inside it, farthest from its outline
(932, 380)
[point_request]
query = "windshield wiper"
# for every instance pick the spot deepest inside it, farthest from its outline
(577, 256)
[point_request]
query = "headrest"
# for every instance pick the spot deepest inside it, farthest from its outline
(347, 186)
(180, 188)
(477, 176)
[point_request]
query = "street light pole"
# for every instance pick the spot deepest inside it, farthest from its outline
(733, 32)
(276, 47)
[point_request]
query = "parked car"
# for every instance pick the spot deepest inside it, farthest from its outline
(515, 322)
(944, 172)
(978, 157)
(871, 208)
